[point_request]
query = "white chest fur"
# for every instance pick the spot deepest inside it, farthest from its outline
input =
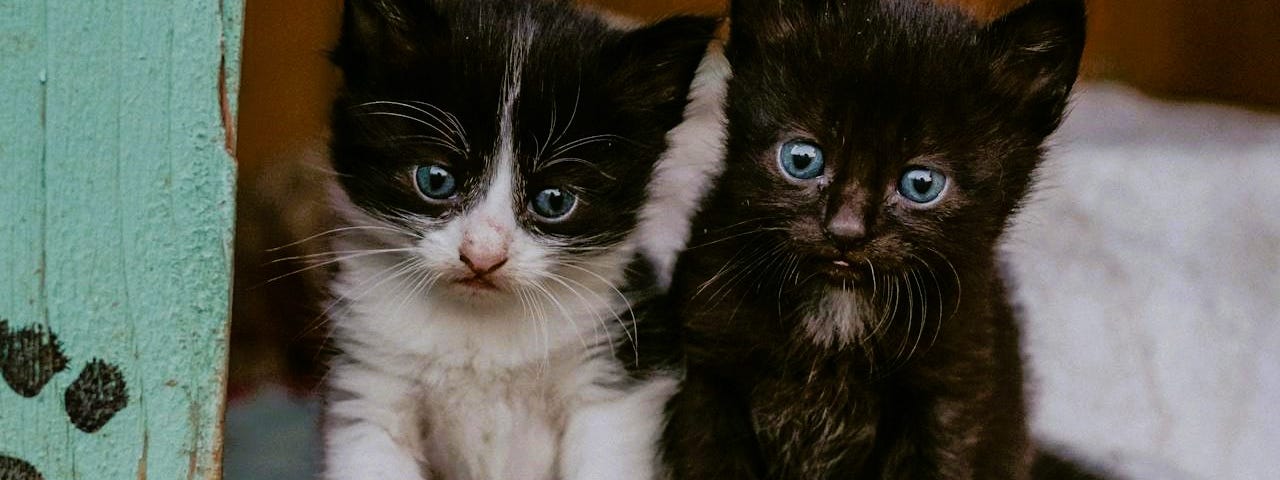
(426, 388)
(494, 426)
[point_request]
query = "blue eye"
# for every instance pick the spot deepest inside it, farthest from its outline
(801, 160)
(436, 183)
(553, 203)
(922, 185)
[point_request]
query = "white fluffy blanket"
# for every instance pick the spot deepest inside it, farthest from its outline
(1148, 269)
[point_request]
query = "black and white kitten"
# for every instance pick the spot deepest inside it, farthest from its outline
(493, 158)
(843, 307)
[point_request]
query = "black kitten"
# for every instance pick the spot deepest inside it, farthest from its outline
(842, 301)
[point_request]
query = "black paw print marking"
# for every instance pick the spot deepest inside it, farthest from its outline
(29, 358)
(96, 396)
(14, 469)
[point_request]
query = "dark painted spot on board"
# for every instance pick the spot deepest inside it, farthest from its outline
(96, 396)
(29, 358)
(14, 469)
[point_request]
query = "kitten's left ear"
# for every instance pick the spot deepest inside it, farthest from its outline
(377, 33)
(1037, 49)
(654, 66)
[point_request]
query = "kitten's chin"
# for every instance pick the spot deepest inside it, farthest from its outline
(837, 317)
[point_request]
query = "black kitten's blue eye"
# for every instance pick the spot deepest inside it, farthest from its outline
(435, 182)
(922, 185)
(801, 160)
(553, 203)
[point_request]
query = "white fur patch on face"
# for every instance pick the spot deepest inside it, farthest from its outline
(485, 253)
(838, 317)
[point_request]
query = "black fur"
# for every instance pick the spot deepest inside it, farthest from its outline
(653, 345)
(580, 79)
(932, 386)
(1050, 466)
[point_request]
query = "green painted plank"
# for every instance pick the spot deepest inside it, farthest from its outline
(115, 231)
(22, 52)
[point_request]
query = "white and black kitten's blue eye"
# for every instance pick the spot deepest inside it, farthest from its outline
(553, 203)
(435, 182)
(922, 185)
(801, 160)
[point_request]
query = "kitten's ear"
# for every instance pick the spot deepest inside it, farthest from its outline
(381, 31)
(750, 13)
(755, 21)
(1037, 50)
(655, 65)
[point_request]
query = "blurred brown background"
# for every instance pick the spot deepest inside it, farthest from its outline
(1224, 50)
(1221, 51)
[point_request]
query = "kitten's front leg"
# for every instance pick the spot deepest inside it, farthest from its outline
(618, 439)
(960, 439)
(709, 436)
(368, 432)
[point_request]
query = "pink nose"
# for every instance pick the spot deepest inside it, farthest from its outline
(482, 263)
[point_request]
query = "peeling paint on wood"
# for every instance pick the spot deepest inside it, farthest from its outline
(116, 216)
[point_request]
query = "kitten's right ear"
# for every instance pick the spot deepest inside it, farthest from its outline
(378, 32)
(752, 20)
(654, 66)
(1036, 52)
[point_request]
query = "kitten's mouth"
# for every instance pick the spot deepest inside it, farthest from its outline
(843, 271)
(478, 283)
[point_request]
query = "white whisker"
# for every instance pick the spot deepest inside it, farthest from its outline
(455, 129)
(412, 119)
(334, 232)
(329, 262)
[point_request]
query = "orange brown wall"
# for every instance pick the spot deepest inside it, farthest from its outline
(1225, 50)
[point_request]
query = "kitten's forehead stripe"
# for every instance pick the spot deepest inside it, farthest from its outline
(503, 166)
(521, 40)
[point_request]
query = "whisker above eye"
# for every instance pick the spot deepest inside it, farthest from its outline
(453, 122)
(581, 142)
(453, 125)
(410, 118)
(559, 160)
(428, 140)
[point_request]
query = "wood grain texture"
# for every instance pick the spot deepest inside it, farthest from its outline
(115, 231)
